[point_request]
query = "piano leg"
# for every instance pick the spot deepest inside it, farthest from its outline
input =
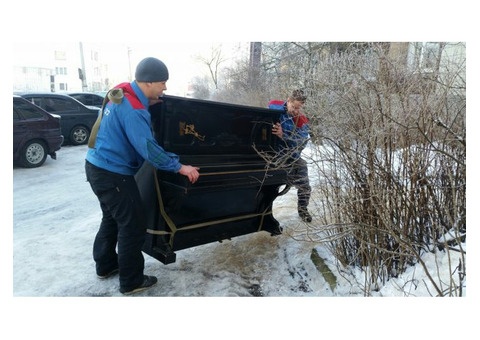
(162, 253)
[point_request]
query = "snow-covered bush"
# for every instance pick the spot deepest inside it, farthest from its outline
(391, 160)
(388, 146)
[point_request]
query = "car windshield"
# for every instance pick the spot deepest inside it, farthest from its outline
(27, 110)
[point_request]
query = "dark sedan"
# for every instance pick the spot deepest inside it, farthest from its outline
(36, 134)
(77, 119)
(88, 98)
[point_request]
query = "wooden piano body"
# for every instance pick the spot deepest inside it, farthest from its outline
(236, 188)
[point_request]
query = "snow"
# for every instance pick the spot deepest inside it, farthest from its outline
(55, 219)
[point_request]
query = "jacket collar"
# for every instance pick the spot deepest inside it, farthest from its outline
(139, 93)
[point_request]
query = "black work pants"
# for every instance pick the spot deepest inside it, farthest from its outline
(122, 226)
(298, 178)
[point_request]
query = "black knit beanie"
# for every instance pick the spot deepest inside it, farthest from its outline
(151, 70)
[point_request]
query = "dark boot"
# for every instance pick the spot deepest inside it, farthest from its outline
(304, 215)
(148, 281)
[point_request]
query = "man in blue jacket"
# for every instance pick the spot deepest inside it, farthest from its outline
(293, 130)
(123, 142)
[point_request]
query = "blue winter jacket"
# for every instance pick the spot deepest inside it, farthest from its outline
(125, 140)
(295, 132)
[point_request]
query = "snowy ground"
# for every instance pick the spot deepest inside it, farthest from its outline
(56, 216)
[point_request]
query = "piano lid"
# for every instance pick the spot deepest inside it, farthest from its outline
(199, 127)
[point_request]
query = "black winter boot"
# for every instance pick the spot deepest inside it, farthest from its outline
(304, 215)
(148, 281)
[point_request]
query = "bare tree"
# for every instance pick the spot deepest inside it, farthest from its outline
(389, 143)
(392, 163)
(213, 62)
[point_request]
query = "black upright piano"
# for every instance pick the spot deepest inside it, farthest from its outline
(236, 188)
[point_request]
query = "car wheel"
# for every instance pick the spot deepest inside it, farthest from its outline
(33, 154)
(79, 135)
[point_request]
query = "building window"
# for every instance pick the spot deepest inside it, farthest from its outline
(425, 56)
(61, 70)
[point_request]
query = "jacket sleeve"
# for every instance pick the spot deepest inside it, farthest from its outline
(137, 128)
(294, 137)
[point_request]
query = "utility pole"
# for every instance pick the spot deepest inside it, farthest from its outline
(255, 60)
(83, 75)
(129, 52)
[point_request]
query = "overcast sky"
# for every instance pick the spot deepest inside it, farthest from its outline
(181, 58)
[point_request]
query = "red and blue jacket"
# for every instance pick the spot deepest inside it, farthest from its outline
(125, 140)
(295, 130)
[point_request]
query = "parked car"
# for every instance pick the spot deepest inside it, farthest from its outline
(77, 119)
(88, 98)
(36, 134)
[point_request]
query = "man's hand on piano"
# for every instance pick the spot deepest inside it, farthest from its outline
(152, 102)
(190, 171)
(277, 130)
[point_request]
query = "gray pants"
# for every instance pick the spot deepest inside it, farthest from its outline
(298, 178)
